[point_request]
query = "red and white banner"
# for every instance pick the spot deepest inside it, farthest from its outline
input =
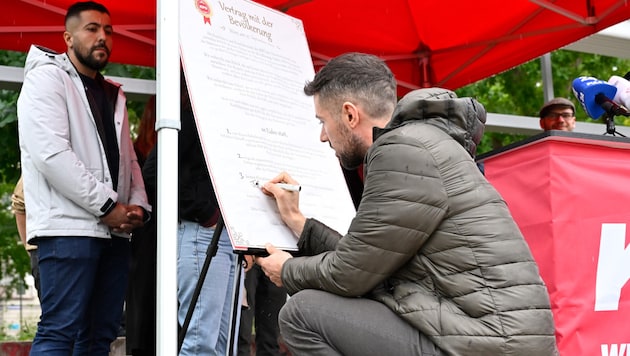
(570, 196)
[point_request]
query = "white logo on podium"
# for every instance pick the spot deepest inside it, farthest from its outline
(613, 267)
(615, 350)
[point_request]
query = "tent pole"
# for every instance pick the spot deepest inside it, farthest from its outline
(167, 126)
(547, 76)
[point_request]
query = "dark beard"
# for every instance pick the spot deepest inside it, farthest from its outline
(91, 62)
(355, 154)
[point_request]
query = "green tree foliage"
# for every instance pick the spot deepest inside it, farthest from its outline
(14, 261)
(9, 150)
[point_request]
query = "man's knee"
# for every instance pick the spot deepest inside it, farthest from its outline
(286, 313)
(293, 308)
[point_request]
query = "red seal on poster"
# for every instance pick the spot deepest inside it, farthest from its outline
(204, 9)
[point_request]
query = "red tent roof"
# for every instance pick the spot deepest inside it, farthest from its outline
(426, 43)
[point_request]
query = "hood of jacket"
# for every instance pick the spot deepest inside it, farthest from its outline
(39, 56)
(462, 118)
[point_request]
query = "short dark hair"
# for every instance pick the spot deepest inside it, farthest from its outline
(78, 7)
(361, 77)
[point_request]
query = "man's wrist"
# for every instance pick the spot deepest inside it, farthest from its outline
(108, 207)
(297, 224)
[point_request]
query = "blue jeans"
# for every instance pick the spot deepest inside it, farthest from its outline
(83, 283)
(209, 327)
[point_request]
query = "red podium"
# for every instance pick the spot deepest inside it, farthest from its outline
(570, 195)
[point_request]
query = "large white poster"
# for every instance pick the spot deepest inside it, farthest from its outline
(246, 66)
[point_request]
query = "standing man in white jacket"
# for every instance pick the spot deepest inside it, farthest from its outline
(82, 184)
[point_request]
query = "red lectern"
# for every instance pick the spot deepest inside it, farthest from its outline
(570, 195)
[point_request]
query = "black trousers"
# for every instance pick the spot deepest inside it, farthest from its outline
(141, 292)
(265, 301)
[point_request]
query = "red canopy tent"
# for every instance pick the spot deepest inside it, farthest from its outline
(426, 43)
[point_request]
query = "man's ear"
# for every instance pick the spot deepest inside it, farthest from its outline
(351, 114)
(67, 38)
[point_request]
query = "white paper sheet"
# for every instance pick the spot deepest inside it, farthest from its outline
(246, 66)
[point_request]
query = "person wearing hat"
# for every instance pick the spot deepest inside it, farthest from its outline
(558, 114)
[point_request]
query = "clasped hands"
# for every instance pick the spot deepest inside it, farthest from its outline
(124, 218)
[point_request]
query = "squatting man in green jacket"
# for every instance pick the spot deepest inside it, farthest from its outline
(433, 263)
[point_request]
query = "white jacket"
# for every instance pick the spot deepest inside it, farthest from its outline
(67, 182)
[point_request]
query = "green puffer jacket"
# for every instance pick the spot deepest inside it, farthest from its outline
(432, 239)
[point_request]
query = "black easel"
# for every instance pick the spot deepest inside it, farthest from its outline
(210, 253)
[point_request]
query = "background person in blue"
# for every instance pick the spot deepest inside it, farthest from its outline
(432, 263)
(82, 186)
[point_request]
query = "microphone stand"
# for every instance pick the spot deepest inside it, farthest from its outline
(610, 125)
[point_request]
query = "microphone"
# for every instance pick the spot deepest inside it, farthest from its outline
(594, 96)
(623, 90)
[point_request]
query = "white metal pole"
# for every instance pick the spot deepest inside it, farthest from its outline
(547, 76)
(167, 125)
